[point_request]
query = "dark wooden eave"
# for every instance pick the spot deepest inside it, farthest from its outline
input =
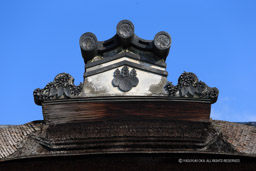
(125, 108)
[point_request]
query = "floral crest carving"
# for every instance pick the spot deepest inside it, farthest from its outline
(61, 87)
(125, 80)
(189, 86)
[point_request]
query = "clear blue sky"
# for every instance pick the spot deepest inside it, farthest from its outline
(215, 39)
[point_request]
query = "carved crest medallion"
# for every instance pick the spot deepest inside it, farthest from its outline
(125, 80)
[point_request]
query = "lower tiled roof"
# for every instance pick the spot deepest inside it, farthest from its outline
(13, 136)
(241, 137)
(36, 139)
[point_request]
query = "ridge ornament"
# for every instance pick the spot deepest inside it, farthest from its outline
(62, 87)
(189, 87)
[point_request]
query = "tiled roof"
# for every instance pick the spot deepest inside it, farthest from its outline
(36, 139)
(124, 39)
(12, 136)
(242, 137)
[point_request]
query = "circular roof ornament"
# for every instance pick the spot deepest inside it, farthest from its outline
(162, 40)
(125, 29)
(88, 41)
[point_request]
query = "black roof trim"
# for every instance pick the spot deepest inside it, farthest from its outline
(126, 99)
(128, 63)
(125, 54)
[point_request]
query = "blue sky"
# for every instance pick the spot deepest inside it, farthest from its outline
(215, 39)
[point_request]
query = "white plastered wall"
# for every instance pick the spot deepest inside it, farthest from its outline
(150, 84)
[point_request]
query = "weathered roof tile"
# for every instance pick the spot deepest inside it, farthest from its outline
(242, 137)
(12, 136)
